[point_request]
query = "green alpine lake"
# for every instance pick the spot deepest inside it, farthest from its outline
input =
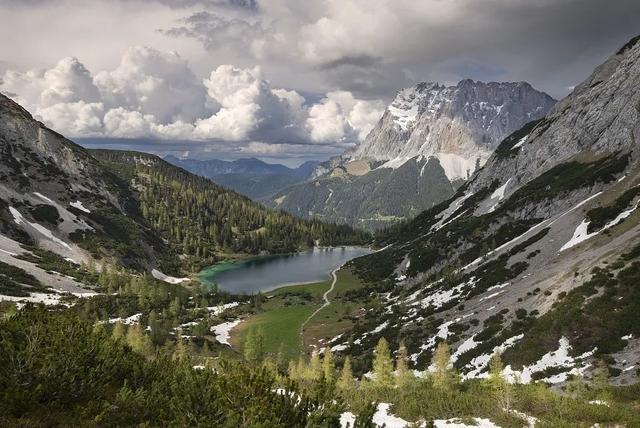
(265, 273)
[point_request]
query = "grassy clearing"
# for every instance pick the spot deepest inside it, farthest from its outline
(286, 309)
(281, 318)
(337, 317)
(280, 327)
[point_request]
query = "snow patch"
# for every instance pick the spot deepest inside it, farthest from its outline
(478, 364)
(347, 420)
(19, 219)
(452, 208)
(78, 205)
(382, 417)
(338, 348)
(557, 359)
(441, 297)
(581, 233)
(467, 345)
(43, 197)
(166, 278)
(223, 331)
(457, 423)
(499, 195)
(520, 142)
(133, 319)
(47, 299)
(217, 310)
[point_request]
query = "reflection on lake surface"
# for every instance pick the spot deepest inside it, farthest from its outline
(265, 273)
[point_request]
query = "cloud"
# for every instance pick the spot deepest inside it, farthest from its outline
(156, 83)
(368, 47)
(216, 32)
(154, 94)
(68, 81)
(75, 118)
(341, 117)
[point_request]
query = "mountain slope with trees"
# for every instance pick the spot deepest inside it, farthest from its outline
(200, 219)
(536, 257)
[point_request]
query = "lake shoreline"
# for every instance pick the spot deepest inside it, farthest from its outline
(267, 273)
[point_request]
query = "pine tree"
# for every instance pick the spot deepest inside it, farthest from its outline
(293, 371)
(403, 372)
(576, 387)
(345, 381)
(314, 372)
(495, 370)
(281, 361)
(139, 341)
(254, 346)
(119, 331)
(444, 377)
(502, 389)
(328, 366)
(382, 365)
(180, 351)
(600, 381)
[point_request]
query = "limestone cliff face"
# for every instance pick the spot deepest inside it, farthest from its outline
(601, 116)
(460, 125)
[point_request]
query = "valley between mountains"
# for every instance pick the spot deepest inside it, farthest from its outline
(496, 280)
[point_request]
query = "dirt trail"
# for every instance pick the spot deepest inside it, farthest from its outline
(326, 303)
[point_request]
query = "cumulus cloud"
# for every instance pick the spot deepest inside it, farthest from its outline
(76, 118)
(156, 83)
(341, 117)
(154, 94)
(68, 81)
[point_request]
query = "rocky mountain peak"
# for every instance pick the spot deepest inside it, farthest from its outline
(460, 125)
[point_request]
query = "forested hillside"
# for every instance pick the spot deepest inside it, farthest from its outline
(202, 220)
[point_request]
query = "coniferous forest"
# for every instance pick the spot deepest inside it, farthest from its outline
(204, 221)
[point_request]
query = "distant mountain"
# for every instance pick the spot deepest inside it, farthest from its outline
(458, 127)
(537, 257)
(251, 177)
(371, 200)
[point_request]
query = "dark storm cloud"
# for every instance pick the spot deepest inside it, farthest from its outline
(240, 4)
(213, 30)
(363, 60)
(174, 4)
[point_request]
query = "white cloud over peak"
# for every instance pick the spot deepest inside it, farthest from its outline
(154, 94)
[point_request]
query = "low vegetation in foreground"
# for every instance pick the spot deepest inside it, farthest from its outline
(59, 369)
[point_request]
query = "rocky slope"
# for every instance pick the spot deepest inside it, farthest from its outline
(53, 192)
(536, 257)
(456, 126)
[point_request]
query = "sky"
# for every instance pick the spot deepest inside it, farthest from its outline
(281, 80)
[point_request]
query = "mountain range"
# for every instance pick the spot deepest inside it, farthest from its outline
(250, 177)
(429, 141)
